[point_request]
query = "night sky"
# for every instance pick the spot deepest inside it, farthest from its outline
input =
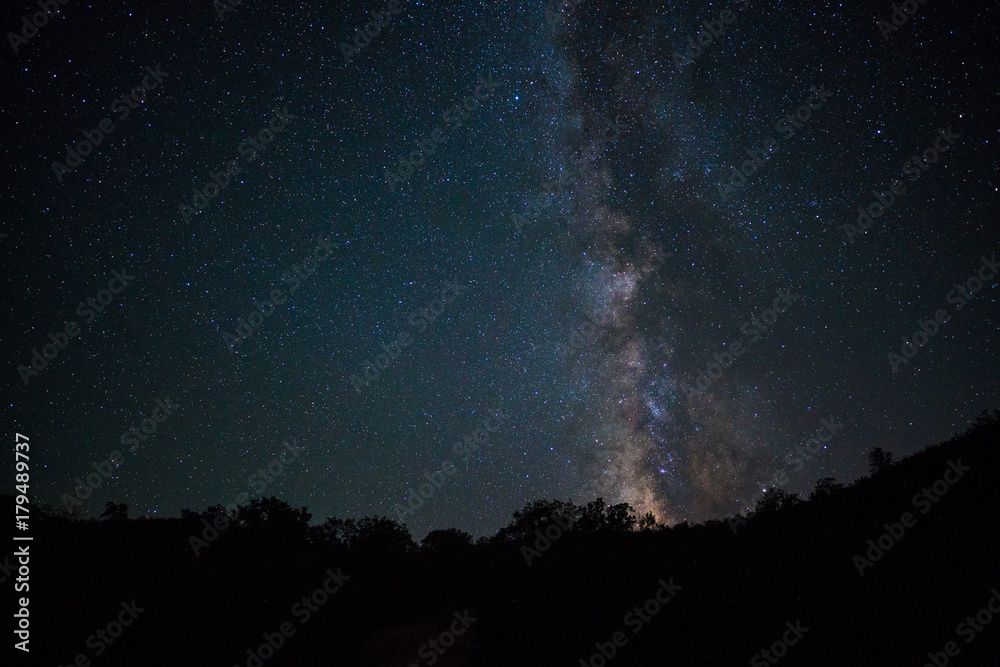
(586, 326)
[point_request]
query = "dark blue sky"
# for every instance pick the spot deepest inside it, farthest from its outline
(618, 415)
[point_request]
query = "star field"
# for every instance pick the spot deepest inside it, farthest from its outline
(586, 324)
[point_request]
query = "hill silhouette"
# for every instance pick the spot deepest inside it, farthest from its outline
(883, 571)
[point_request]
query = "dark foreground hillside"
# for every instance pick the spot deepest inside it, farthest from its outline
(785, 581)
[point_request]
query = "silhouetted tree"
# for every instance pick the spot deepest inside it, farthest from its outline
(594, 516)
(620, 518)
(331, 532)
(879, 461)
(447, 540)
(775, 499)
(986, 418)
(825, 487)
(115, 512)
(211, 513)
(274, 516)
(378, 534)
(598, 517)
(536, 515)
(647, 521)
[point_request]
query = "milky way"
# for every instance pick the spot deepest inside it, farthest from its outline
(609, 322)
